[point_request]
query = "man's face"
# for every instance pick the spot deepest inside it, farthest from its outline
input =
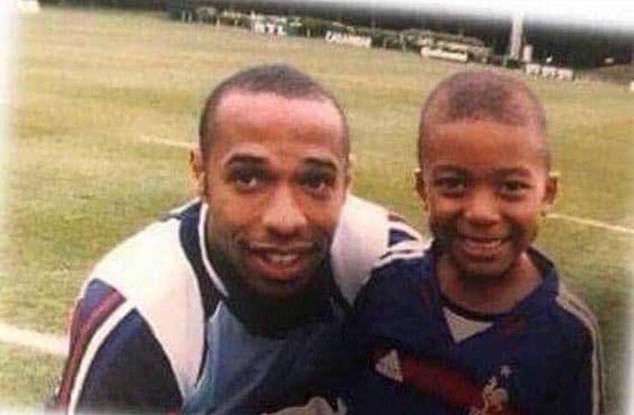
(485, 185)
(276, 179)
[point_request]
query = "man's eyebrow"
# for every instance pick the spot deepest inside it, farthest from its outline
(319, 162)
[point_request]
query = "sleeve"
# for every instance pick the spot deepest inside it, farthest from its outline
(316, 378)
(362, 330)
(115, 362)
(582, 388)
(356, 387)
(367, 236)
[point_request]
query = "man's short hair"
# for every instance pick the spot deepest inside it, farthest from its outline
(278, 79)
(483, 95)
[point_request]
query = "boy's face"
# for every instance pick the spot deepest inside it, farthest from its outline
(485, 185)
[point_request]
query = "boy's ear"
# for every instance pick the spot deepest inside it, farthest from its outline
(550, 193)
(420, 186)
(197, 168)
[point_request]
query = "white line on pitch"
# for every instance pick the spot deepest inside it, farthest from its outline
(46, 343)
(170, 143)
(592, 222)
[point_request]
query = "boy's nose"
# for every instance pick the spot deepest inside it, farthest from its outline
(482, 208)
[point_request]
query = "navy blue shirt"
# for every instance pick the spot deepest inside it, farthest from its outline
(422, 355)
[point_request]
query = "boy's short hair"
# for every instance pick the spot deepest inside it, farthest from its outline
(279, 79)
(483, 95)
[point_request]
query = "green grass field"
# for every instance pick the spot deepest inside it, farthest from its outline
(96, 90)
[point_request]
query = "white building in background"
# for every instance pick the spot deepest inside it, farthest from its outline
(29, 6)
(348, 39)
(268, 25)
(456, 56)
(527, 53)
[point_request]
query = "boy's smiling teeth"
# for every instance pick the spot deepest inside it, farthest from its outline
(483, 243)
(280, 258)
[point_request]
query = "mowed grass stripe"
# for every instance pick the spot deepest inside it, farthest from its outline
(41, 342)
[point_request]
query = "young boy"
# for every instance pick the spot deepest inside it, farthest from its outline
(480, 323)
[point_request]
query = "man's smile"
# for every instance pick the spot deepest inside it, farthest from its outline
(282, 263)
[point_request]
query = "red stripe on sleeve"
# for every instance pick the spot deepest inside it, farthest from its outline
(81, 333)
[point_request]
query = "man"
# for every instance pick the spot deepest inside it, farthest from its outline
(233, 303)
(483, 325)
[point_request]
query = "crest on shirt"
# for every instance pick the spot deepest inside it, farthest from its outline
(494, 398)
(390, 366)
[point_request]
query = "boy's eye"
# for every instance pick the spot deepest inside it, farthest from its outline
(514, 187)
(450, 185)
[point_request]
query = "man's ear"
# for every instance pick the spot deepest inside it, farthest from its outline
(420, 186)
(197, 168)
(348, 172)
(550, 192)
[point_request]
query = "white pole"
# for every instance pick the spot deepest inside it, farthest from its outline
(517, 33)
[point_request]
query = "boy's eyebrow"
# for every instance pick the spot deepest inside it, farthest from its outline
(243, 158)
(504, 171)
(448, 168)
(509, 171)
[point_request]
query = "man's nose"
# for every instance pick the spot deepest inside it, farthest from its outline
(283, 215)
(482, 207)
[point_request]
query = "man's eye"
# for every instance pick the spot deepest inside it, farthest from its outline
(245, 180)
(317, 183)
